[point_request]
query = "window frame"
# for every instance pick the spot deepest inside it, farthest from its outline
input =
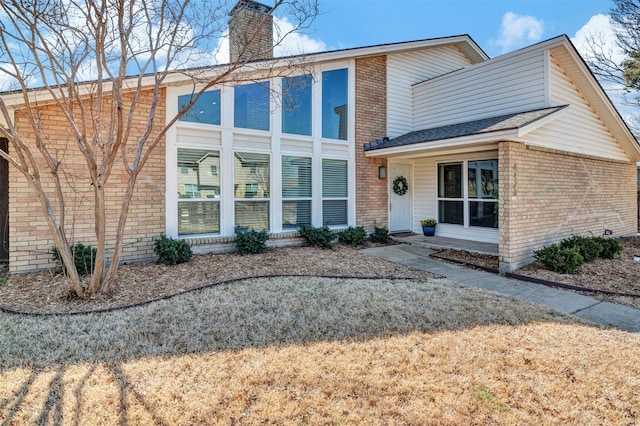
(345, 198)
(213, 200)
(466, 199)
(254, 198)
(288, 199)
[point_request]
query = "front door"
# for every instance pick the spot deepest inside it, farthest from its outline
(4, 204)
(399, 203)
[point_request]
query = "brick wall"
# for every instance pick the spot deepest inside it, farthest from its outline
(30, 242)
(371, 124)
(250, 34)
(546, 196)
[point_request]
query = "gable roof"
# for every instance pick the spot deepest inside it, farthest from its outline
(462, 42)
(516, 121)
(565, 53)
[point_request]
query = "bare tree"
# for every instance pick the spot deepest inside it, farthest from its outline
(103, 64)
(604, 59)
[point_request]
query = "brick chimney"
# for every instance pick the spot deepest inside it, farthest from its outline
(250, 31)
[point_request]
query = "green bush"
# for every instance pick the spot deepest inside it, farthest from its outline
(564, 260)
(590, 248)
(252, 242)
(380, 235)
(172, 252)
(353, 236)
(610, 247)
(84, 257)
(317, 237)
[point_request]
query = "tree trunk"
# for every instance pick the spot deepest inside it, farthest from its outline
(124, 212)
(97, 280)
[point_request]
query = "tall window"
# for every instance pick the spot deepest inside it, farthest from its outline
(296, 105)
(206, 109)
(296, 192)
(251, 106)
(252, 190)
(450, 197)
(335, 122)
(473, 204)
(335, 192)
(483, 193)
(198, 192)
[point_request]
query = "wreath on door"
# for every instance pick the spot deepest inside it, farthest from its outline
(400, 185)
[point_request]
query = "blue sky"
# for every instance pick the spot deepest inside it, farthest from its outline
(497, 26)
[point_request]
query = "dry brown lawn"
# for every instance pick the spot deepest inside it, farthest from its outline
(310, 350)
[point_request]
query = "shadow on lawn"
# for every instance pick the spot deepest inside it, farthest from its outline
(259, 313)
(52, 410)
(256, 313)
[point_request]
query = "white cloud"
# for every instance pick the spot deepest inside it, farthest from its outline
(599, 30)
(294, 43)
(517, 31)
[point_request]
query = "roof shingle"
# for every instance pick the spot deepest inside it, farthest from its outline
(485, 125)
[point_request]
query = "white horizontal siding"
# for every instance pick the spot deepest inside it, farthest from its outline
(187, 135)
(406, 69)
(335, 149)
(296, 146)
(252, 142)
(578, 129)
(425, 184)
(484, 90)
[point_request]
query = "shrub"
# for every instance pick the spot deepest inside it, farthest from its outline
(610, 247)
(353, 236)
(380, 235)
(252, 242)
(84, 257)
(590, 248)
(172, 252)
(560, 259)
(317, 237)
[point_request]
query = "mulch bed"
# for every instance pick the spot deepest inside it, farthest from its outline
(621, 275)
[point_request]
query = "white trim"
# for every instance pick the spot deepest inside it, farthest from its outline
(351, 136)
(228, 140)
(546, 78)
(466, 230)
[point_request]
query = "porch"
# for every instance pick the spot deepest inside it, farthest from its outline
(446, 242)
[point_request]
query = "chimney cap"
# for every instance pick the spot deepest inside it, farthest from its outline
(251, 5)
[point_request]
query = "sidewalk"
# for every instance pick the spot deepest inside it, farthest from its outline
(603, 313)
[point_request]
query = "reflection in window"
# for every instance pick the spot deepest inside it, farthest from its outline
(296, 105)
(252, 190)
(206, 109)
(483, 193)
(251, 106)
(198, 192)
(334, 104)
(334, 192)
(296, 191)
(450, 187)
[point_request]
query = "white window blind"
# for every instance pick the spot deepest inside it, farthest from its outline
(252, 190)
(335, 192)
(296, 191)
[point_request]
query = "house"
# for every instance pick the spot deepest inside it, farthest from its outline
(521, 150)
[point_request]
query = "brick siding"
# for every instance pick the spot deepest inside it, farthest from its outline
(371, 124)
(547, 195)
(30, 241)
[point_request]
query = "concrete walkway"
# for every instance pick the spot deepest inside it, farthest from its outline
(603, 313)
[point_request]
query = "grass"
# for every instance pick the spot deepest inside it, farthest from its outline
(317, 351)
